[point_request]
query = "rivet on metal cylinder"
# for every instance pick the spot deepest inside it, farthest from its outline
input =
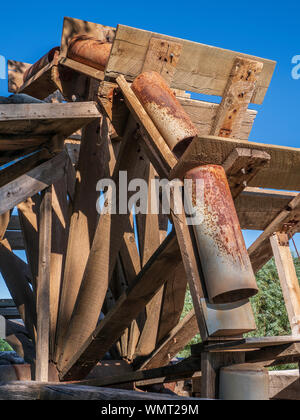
(89, 51)
(166, 112)
(224, 258)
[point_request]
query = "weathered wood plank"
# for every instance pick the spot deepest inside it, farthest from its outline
(46, 119)
(201, 68)
(15, 274)
(282, 173)
(43, 288)
(127, 308)
(33, 182)
(284, 385)
(15, 239)
(288, 279)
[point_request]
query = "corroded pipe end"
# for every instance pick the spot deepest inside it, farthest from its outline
(42, 62)
(89, 51)
(164, 109)
(225, 262)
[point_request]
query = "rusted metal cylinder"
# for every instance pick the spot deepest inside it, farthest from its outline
(90, 51)
(166, 112)
(42, 62)
(223, 255)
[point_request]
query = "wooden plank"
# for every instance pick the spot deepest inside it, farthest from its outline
(175, 341)
(82, 68)
(19, 168)
(280, 174)
(15, 72)
(257, 208)
(162, 57)
(161, 157)
(59, 237)
(237, 96)
(14, 223)
(288, 279)
(242, 165)
(201, 68)
(260, 251)
(7, 303)
(28, 212)
(15, 275)
(33, 182)
(4, 222)
(210, 366)
(52, 391)
(183, 370)
(249, 343)
(42, 84)
(37, 120)
(274, 356)
(93, 165)
(15, 239)
(127, 308)
(43, 288)
(284, 385)
(102, 259)
(10, 313)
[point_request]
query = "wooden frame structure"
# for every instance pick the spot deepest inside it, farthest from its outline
(80, 267)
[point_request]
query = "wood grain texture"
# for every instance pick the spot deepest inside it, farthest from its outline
(288, 279)
(282, 173)
(43, 288)
(201, 68)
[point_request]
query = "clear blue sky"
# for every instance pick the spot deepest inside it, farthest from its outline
(268, 29)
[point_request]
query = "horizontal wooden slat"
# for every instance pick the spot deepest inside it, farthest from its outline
(201, 68)
(33, 182)
(282, 173)
(43, 120)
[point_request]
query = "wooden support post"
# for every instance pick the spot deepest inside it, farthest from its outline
(59, 237)
(16, 276)
(288, 279)
(93, 165)
(236, 97)
(43, 288)
(210, 368)
(29, 220)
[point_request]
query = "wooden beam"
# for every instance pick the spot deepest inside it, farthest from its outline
(59, 237)
(237, 96)
(288, 279)
(15, 239)
(15, 275)
(241, 166)
(282, 173)
(175, 341)
(287, 220)
(4, 222)
(28, 212)
(92, 166)
(43, 288)
(196, 71)
(284, 385)
(274, 356)
(127, 308)
(102, 259)
(33, 182)
(23, 121)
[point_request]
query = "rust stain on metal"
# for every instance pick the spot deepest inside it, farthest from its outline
(164, 109)
(229, 275)
(89, 51)
(42, 62)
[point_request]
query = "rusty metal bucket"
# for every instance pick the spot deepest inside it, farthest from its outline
(225, 262)
(42, 62)
(224, 258)
(164, 109)
(90, 51)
